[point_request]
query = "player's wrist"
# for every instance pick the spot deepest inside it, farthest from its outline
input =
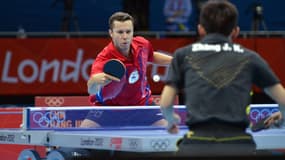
(168, 113)
(94, 88)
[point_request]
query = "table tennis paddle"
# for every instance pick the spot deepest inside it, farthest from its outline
(115, 68)
(260, 125)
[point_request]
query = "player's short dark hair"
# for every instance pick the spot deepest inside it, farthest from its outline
(219, 16)
(119, 16)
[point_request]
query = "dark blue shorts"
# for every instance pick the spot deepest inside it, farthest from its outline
(119, 118)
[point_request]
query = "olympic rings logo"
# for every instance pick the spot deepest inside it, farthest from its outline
(49, 119)
(258, 114)
(160, 144)
(54, 101)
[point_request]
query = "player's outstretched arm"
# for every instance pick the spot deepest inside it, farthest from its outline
(161, 58)
(97, 81)
(166, 106)
(277, 93)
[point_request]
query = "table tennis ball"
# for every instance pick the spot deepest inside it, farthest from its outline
(156, 78)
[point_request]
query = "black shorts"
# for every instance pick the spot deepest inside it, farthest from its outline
(216, 140)
(214, 146)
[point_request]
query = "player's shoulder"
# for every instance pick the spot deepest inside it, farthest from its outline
(104, 55)
(247, 51)
(252, 55)
(107, 51)
(184, 50)
(140, 40)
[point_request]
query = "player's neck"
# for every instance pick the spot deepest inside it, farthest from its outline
(127, 54)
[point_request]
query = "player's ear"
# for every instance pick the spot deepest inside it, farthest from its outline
(201, 30)
(235, 32)
(110, 33)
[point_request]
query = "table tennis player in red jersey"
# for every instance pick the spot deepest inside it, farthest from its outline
(132, 89)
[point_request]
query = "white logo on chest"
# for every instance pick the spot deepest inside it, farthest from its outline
(134, 77)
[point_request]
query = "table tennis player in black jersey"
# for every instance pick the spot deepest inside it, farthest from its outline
(217, 76)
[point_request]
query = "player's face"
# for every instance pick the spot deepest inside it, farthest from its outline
(122, 35)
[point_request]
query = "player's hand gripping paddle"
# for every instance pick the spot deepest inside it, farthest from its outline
(114, 69)
(260, 125)
(266, 122)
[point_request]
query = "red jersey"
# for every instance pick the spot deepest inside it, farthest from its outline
(133, 89)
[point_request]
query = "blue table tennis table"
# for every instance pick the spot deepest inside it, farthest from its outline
(131, 139)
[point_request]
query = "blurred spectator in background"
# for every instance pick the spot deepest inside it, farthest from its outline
(177, 13)
(139, 9)
(256, 8)
(68, 15)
